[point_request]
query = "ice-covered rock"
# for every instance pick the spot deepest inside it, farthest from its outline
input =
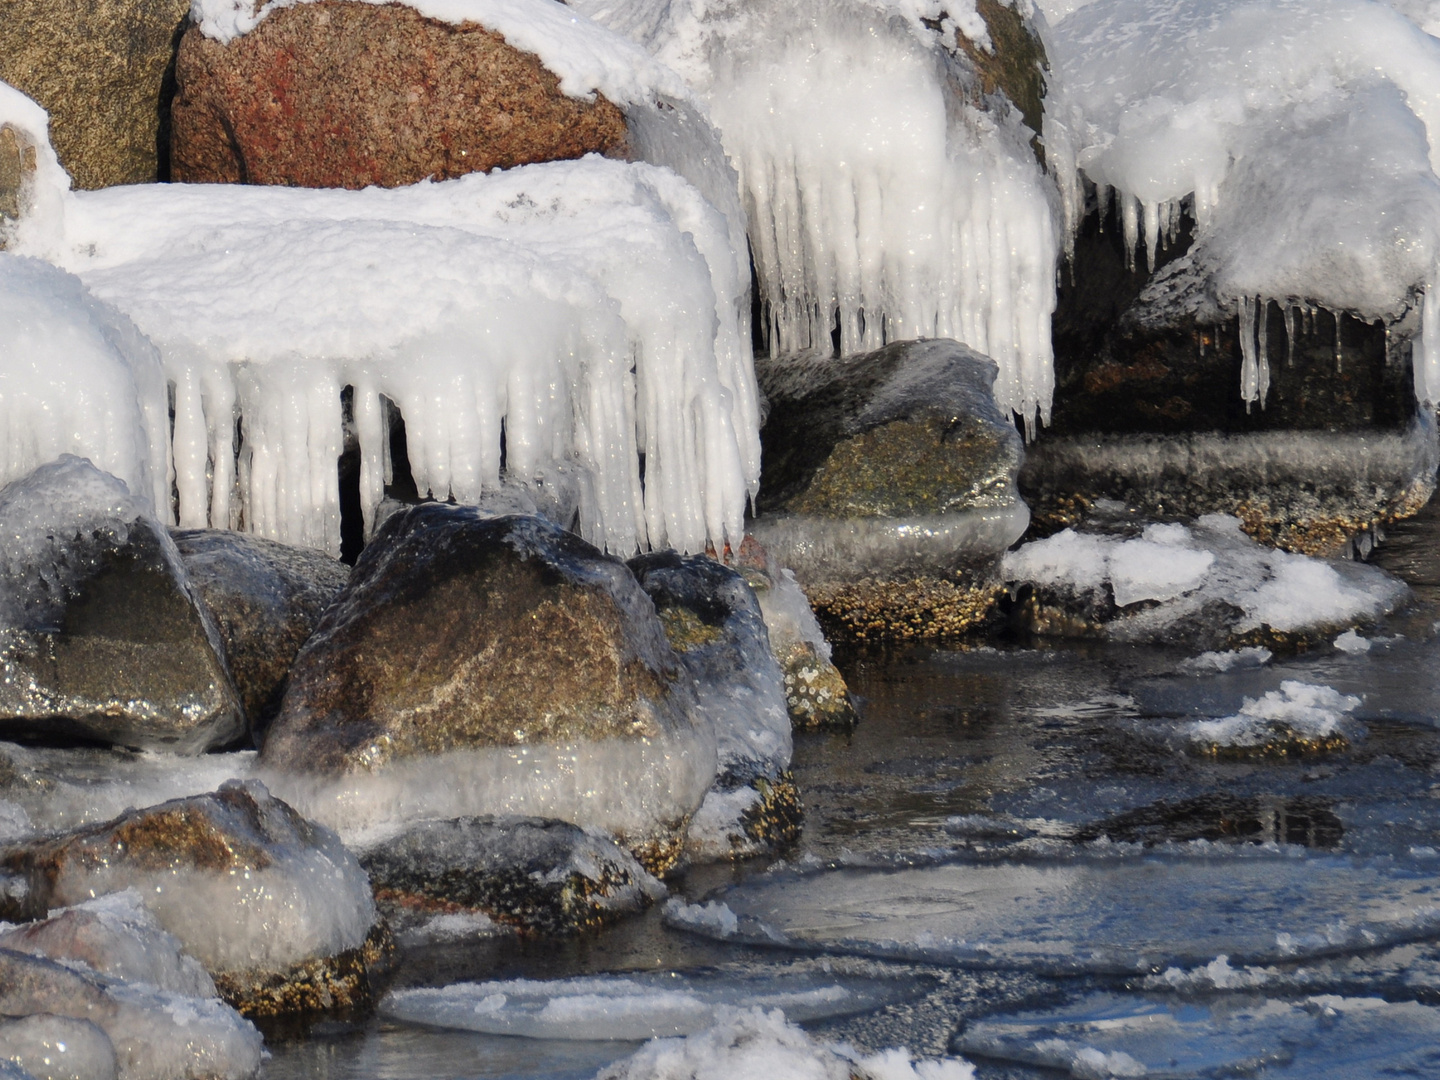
(890, 486)
(349, 94)
(266, 599)
(101, 637)
(278, 911)
(156, 1035)
(1206, 584)
(713, 620)
(541, 876)
(49, 1047)
(492, 665)
(886, 169)
(1299, 717)
(115, 935)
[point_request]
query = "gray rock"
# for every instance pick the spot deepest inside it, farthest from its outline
(266, 599)
(101, 637)
(538, 875)
(49, 1047)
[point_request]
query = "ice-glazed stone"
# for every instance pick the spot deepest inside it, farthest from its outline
(49, 1047)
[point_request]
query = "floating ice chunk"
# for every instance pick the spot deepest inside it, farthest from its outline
(1218, 662)
(450, 928)
(1216, 975)
(1320, 1037)
(711, 917)
(640, 1006)
(1352, 643)
(1297, 710)
(1120, 916)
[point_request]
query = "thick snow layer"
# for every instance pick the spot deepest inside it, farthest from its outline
(1299, 133)
(877, 198)
(634, 1007)
(1188, 567)
(753, 1044)
(1297, 709)
(1107, 915)
(570, 316)
(584, 55)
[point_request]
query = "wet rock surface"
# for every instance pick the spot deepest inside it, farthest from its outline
(436, 641)
(540, 876)
(264, 900)
(266, 600)
(101, 637)
(101, 69)
(342, 94)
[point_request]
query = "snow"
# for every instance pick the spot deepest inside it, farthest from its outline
(585, 56)
(1352, 643)
(1185, 567)
(531, 293)
(875, 197)
(1301, 709)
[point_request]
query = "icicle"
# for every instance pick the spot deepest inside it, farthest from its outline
(1102, 204)
(1262, 328)
(1339, 358)
(1249, 369)
(1289, 311)
(1425, 354)
(1151, 211)
(1130, 227)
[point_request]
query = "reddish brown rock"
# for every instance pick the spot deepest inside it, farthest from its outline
(346, 94)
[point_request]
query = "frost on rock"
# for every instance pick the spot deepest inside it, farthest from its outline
(1196, 578)
(1296, 134)
(881, 201)
(581, 316)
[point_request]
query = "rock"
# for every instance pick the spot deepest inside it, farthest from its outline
(266, 599)
(541, 876)
(889, 486)
(278, 911)
(101, 637)
(156, 1035)
(18, 162)
(49, 1047)
(713, 619)
(349, 94)
(478, 665)
(101, 69)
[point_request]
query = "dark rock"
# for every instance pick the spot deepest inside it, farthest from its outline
(457, 631)
(540, 876)
(266, 599)
(889, 486)
(101, 637)
(278, 911)
(349, 94)
(101, 68)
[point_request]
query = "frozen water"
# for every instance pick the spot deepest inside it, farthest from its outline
(633, 1007)
(1324, 1037)
(1108, 915)
(1296, 710)
(49, 1047)
(1353, 643)
(1213, 663)
(879, 199)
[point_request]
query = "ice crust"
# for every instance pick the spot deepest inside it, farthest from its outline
(634, 1007)
(1107, 916)
(1297, 709)
(49, 1047)
(1185, 567)
(876, 195)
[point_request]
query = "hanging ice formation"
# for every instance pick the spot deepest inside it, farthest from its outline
(1297, 134)
(582, 319)
(878, 198)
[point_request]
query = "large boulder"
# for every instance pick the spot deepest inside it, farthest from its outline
(278, 911)
(101, 637)
(266, 599)
(348, 94)
(491, 665)
(101, 68)
(889, 486)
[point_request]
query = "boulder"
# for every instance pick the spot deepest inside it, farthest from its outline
(49, 1047)
(266, 600)
(889, 486)
(713, 619)
(155, 1035)
(348, 94)
(477, 665)
(541, 876)
(101, 68)
(101, 637)
(278, 911)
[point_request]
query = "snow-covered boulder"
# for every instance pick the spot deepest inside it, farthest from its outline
(491, 665)
(266, 600)
(536, 875)
(275, 908)
(890, 486)
(350, 94)
(155, 1034)
(101, 636)
(713, 620)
